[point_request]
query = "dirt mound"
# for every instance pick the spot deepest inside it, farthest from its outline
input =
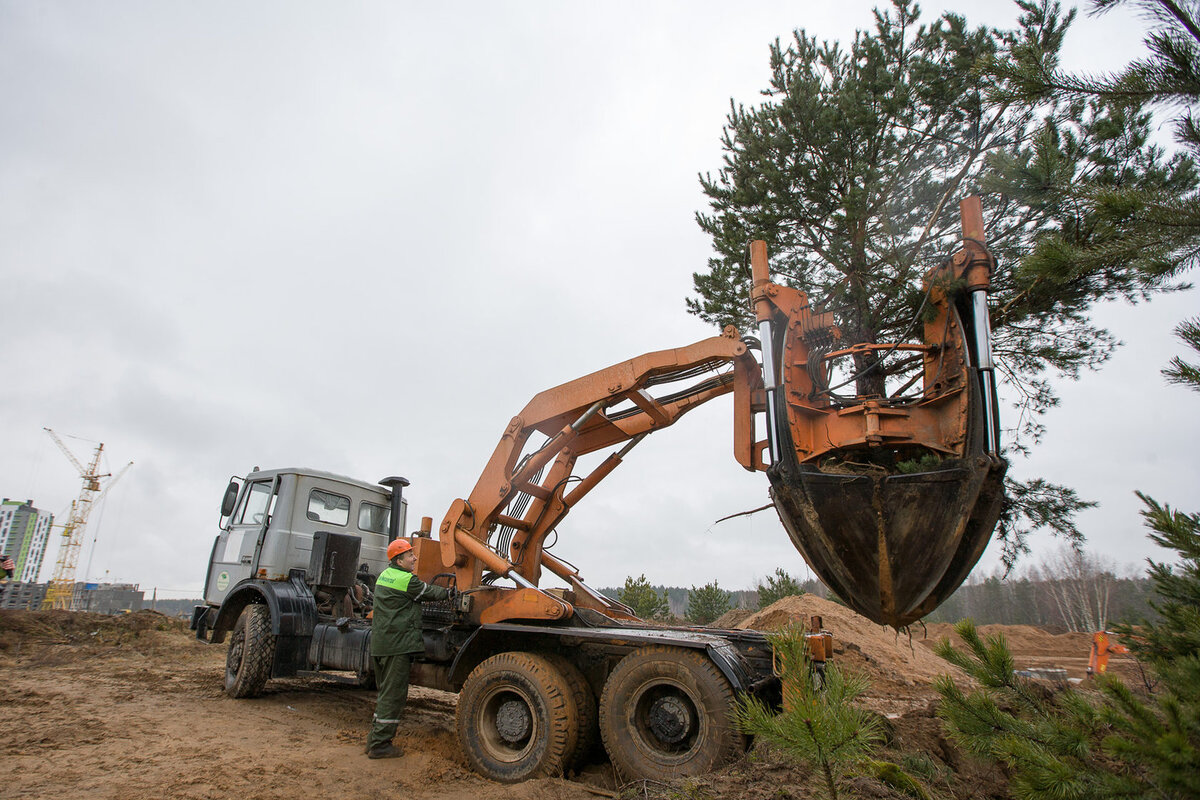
(884, 653)
(25, 632)
(730, 618)
(1023, 640)
(52, 624)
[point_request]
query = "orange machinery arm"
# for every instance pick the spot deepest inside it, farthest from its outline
(521, 496)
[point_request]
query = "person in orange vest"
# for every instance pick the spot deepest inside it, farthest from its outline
(1101, 647)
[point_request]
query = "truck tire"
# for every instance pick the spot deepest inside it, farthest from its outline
(517, 718)
(585, 704)
(667, 712)
(251, 652)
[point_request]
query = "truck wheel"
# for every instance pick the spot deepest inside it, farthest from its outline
(517, 718)
(585, 704)
(667, 712)
(251, 652)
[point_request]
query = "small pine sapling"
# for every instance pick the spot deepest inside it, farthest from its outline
(820, 724)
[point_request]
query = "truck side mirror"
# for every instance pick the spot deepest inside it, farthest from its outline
(230, 499)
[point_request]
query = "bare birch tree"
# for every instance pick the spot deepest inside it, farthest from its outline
(1080, 585)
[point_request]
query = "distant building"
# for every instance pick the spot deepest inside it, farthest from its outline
(21, 595)
(99, 598)
(106, 598)
(24, 531)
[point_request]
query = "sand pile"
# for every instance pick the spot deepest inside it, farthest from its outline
(1023, 640)
(882, 651)
(21, 630)
(730, 618)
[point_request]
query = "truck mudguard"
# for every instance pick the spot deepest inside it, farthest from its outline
(293, 617)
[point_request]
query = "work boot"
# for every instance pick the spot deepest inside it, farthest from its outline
(388, 750)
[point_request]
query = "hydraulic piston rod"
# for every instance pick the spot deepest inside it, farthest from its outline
(978, 274)
(763, 312)
(986, 369)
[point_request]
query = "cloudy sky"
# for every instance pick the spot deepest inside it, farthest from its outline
(360, 236)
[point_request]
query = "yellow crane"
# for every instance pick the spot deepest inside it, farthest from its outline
(62, 586)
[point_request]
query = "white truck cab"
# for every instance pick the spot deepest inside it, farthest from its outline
(292, 572)
(270, 517)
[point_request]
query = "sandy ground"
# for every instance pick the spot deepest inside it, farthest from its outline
(902, 666)
(132, 708)
(115, 708)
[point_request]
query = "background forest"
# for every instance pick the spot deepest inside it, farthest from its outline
(1071, 591)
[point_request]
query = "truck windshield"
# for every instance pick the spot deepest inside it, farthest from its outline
(258, 504)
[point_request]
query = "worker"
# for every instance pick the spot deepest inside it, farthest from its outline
(1101, 647)
(395, 639)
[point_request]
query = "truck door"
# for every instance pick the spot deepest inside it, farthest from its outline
(233, 555)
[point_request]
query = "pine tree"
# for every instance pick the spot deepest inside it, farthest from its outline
(643, 599)
(850, 168)
(1064, 745)
(706, 603)
(1049, 742)
(1168, 77)
(1186, 373)
(1143, 220)
(820, 724)
(1176, 632)
(776, 587)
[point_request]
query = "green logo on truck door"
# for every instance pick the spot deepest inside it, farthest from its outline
(222, 581)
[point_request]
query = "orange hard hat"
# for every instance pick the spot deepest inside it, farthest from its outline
(398, 547)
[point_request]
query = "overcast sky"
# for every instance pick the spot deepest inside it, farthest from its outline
(360, 236)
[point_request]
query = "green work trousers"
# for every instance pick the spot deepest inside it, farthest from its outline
(391, 678)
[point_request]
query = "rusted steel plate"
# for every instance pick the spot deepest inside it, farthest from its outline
(892, 547)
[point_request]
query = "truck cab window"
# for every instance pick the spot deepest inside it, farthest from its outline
(328, 507)
(373, 518)
(257, 505)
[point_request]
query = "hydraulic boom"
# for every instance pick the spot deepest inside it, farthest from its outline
(892, 542)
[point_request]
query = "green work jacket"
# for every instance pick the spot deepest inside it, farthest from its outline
(396, 616)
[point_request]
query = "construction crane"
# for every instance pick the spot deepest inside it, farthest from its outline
(61, 590)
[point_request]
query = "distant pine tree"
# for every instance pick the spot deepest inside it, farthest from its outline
(706, 603)
(776, 587)
(646, 603)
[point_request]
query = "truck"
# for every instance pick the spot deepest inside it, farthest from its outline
(545, 675)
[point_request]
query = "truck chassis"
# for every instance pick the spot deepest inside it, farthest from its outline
(534, 698)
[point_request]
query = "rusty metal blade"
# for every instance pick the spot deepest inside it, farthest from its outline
(893, 547)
